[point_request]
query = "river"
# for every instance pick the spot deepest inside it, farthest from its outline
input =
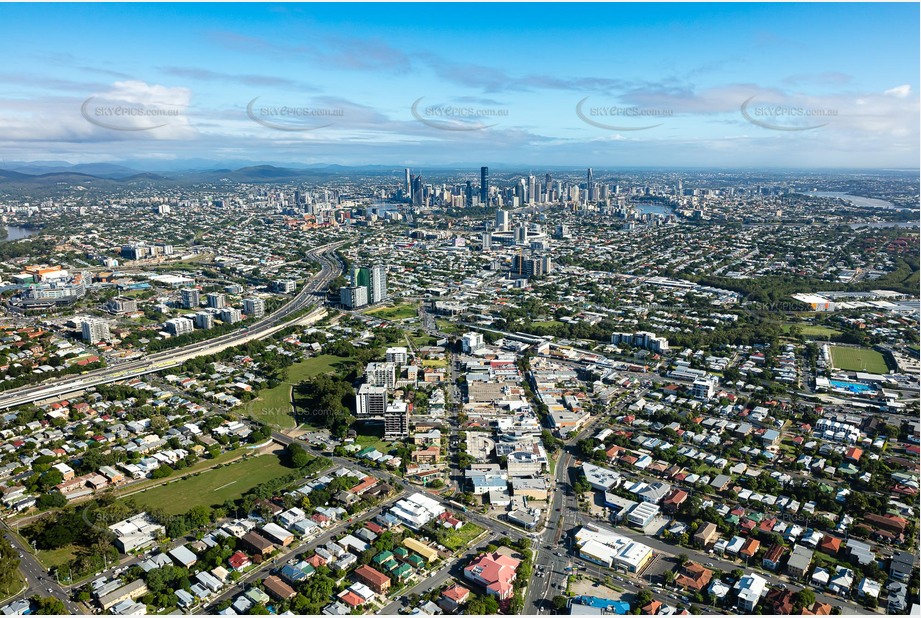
(14, 232)
(856, 200)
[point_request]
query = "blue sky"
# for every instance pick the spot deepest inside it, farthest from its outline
(727, 85)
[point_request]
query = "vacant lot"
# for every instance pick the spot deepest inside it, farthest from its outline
(396, 312)
(858, 359)
(213, 487)
(273, 405)
(463, 537)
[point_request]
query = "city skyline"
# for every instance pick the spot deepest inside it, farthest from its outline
(752, 85)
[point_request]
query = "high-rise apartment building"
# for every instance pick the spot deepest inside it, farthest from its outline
(503, 220)
(377, 291)
(216, 301)
(254, 307)
(353, 297)
(396, 421)
(484, 186)
(370, 401)
(381, 374)
(179, 326)
(190, 297)
(95, 331)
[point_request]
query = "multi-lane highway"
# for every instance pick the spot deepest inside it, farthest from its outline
(308, 297)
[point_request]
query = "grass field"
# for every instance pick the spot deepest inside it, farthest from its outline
(858, 359)
(56, 557)
(434, 362)
(273, 405)
(448, 327)
(376, 442)
(396, 312)
(463, 537)
(813, 330)
(546, 323)
(423, 340)
(213, 487)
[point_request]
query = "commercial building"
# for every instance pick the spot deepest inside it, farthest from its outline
(608, 548)
(416, 510)
(472, 342)
(122, 305)
(136, 532)
(642, 514)
(495, 572)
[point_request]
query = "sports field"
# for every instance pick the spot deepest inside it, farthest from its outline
(213, 487)
(858, 359)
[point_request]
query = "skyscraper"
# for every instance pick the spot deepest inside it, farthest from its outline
(469, 196)
(502, 220)
(590, 187)
(407, 187)
(484, 185)
(417, 190)
(532, 189)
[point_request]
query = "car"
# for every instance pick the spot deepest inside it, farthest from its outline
(709, 564)
(50, 590)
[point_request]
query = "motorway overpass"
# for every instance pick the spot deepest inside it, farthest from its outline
(307, 298)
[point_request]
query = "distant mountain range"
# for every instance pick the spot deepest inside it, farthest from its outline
(48, 173)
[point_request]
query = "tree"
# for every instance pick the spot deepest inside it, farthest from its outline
(297, 456)
(559, 601)
(49, 606)
(485, 605)
(643, 598)
(805, 598)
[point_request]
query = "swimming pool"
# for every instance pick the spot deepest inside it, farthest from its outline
(855, 387)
